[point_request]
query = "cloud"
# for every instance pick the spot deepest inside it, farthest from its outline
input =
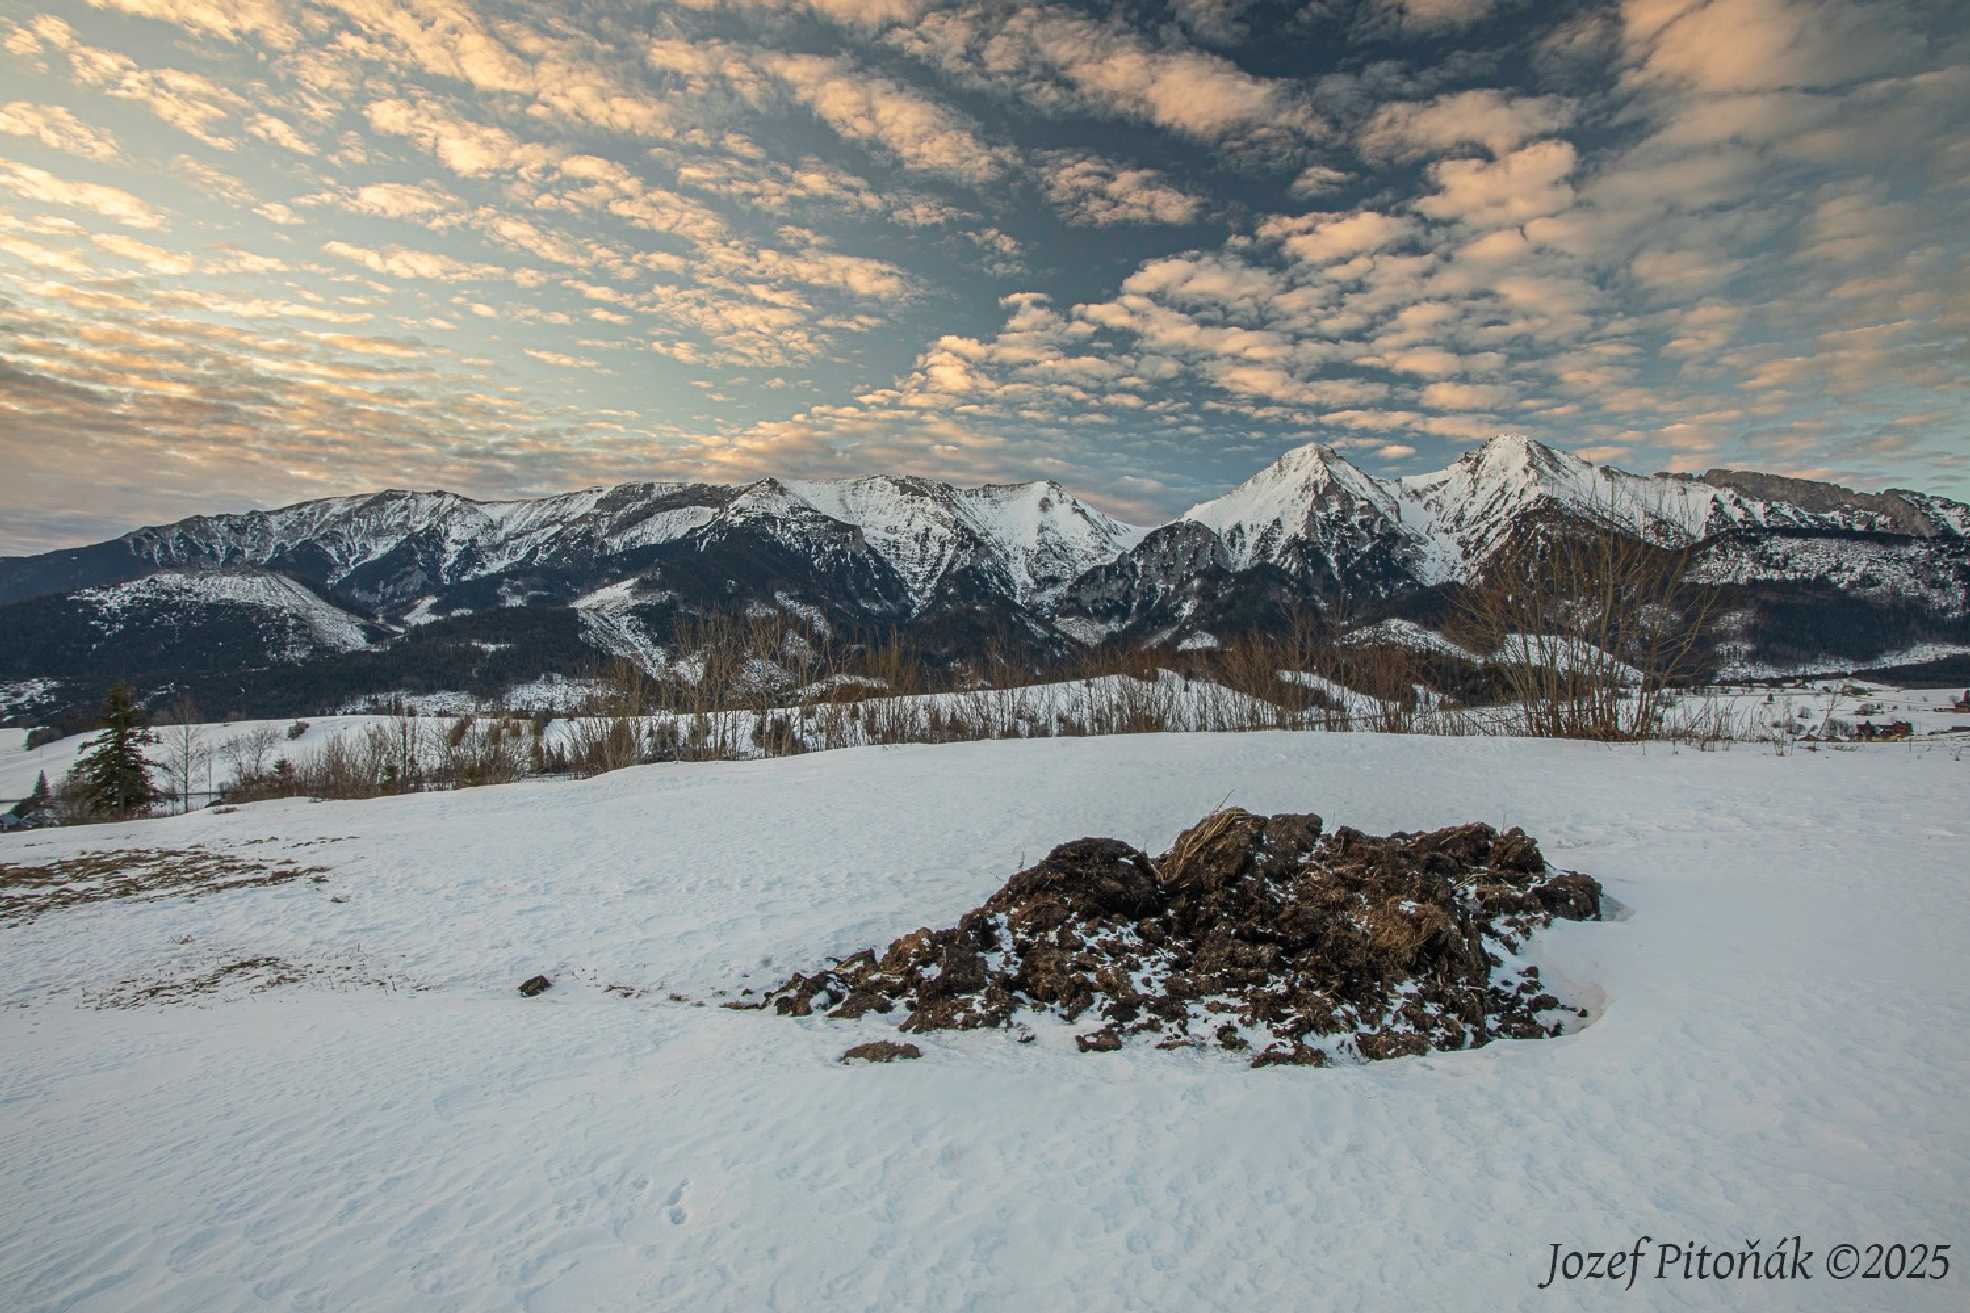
(57, 129)
(230, 20)
(1529, 183)
(404, 262)
(562, 360)
(1323, 237)
(215, 182)
(519, 234)
(1215, 22)
(154, 259)
(1758, 45)
(280, 132)
(1088, 189)
(851, 13)
(565, 76)
(917, 131)
(1495, 120)
(1056, 59)
(1230, 286)
(188, 101)
(1466, 396)
(112, 203)
(469, 149)
(595, 183)
(390, 200)
(1607, 224)
(396, 348)
(44, 257)
(1317, 180)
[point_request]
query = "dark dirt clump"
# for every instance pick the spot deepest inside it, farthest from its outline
(882, 1050)
(1253, 934)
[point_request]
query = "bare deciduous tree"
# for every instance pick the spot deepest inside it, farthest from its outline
(187, 755)
(248, 754)
(1588, 628)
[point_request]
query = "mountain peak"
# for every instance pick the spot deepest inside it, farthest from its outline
(1517, 452)
(1288, 500)
(1312, 457)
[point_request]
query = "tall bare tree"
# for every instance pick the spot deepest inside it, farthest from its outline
(182, 737)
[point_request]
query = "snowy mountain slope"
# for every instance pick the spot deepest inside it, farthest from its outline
(311, 624)
(1438, 526)
(1312, 509)
(609, 622)
(1030, 539)
(1931, 573)
(390, 549)
(1467, 510)
(1340, 535)
(1407, 634)
(176, 620)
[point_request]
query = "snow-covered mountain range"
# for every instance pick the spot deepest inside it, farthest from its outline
(552, 583)
(1312, 502)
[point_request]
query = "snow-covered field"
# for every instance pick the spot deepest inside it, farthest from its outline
(1814, 707)
(1777, 1047)
(1102, 705)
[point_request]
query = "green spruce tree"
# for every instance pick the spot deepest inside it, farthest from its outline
(114, 771)
(37, 802)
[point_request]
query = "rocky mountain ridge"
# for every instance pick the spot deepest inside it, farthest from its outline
(557, 582)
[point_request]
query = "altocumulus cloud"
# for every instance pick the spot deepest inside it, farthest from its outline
(255, 250)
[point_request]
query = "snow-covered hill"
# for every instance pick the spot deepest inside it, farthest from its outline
(299, 1094)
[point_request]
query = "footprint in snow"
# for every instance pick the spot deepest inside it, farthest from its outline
(674, 1205)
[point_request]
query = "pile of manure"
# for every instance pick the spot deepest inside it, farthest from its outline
(1258, 934)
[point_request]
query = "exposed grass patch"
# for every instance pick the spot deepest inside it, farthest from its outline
(28, 892)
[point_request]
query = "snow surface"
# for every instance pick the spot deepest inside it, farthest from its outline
(1776, 1046)
(426, 613)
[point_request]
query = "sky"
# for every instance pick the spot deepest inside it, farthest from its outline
(259, 251)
